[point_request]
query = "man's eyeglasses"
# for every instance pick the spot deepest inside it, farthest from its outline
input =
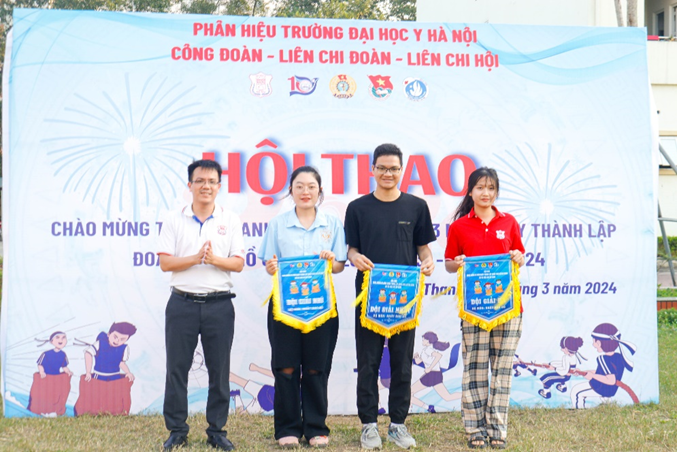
(383, 170)
(202, 182)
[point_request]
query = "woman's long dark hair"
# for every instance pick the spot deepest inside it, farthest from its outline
(467, 204)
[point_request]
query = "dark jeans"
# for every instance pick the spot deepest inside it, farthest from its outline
(369, 352)
(214, 321)
(301, 401)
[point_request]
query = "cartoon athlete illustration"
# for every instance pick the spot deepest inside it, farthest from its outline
(263, 395)
(293, 287)
(517, 362)
(429, 359)
(52, 381)
(315, 288)
(488, 289)
(104, 388)
(305, 291)
(403, 297)
(563, 368)
(606, 379)
(393, 297)
(382, 296)
(499, 286)
(477, 287)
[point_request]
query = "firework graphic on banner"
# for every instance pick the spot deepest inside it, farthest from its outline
(546, 189)
(128, 147)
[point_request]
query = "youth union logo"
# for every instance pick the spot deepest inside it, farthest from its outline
(302, 85)
(261, 86)
(415, 89)
(381, 86)
(343, 86)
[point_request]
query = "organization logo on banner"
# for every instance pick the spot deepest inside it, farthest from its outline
(381, 86)
(302, 85)
(261, 86)
(415, 89)
(343, 86)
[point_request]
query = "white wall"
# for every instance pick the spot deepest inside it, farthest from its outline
(532, 12)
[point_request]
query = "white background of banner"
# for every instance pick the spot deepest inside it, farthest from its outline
(101, 123)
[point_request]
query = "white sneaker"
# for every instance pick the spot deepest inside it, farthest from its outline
(370, 439)
(398, 434)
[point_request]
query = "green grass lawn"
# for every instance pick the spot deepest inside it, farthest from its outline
(643, 428)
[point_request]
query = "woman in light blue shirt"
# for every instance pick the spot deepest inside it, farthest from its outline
(301, 362)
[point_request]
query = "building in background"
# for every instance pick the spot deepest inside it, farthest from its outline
(658, 16)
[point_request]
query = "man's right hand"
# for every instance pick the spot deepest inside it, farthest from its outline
(361, 262)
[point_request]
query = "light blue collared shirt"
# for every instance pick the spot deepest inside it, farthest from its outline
(286, 237)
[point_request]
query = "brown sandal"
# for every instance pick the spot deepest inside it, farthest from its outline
(477, 441)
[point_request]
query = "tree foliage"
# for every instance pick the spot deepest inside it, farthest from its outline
(331, 9)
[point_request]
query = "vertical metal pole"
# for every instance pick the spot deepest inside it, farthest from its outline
(666, 246)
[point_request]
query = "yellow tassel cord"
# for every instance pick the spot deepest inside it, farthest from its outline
(389, 332)
(298, 324)
(513, 290)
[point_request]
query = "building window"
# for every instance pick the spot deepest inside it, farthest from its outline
(659, 23)
(669, 145)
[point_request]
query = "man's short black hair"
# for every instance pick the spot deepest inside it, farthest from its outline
(387, 149)
(206, 164)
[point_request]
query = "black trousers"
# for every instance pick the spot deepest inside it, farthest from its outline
(369, 353)
(301, 399)
(214, 322)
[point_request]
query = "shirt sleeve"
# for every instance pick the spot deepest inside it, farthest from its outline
(424, 232)
(452, 250)
(352, 227)
(269, 243)
(41, 359)
(125, 355)
(236, 238)
(92, 349)
(516, 237)
(167, 239)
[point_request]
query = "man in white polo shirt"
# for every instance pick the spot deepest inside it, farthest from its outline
(200, 244)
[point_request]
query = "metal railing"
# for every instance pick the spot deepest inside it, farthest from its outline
(661, 220)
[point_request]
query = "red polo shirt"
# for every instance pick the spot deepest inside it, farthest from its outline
(472, 237)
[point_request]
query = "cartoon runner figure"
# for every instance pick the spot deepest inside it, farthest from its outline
(562, 375)
(606, 379)
(263, 395)
(52, 382)
(104, 388)
(430, 356)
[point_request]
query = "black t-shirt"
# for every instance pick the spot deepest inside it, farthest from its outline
(388, 232)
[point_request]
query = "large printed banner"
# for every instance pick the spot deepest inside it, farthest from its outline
(103, 112)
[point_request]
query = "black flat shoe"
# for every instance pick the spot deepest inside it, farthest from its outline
(220, 442)
(175, 441)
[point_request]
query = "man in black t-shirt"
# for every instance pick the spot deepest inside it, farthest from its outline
(386, 227)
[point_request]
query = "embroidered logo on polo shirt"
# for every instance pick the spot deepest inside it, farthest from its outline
(326, 236)
(222, 229)
(500, 234)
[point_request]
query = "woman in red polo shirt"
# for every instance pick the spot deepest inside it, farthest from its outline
(480, 229)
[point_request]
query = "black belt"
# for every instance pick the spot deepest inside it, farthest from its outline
(204, 297)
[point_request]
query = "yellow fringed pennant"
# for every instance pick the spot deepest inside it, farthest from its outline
(303, 326)
(513, 290)
(415, 302)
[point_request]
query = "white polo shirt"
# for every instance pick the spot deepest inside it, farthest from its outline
(183, 235)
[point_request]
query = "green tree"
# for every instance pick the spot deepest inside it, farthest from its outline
(331, 9)
(228, 7)
(401, 9)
